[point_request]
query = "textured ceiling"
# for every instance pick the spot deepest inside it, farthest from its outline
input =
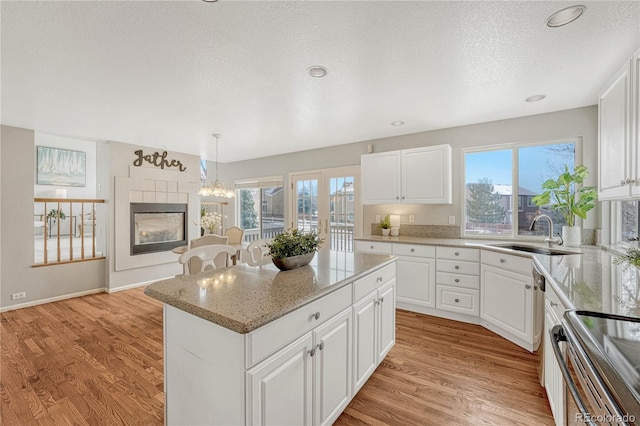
(168, 74)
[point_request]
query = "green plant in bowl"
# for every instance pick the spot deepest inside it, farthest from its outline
(294, 248)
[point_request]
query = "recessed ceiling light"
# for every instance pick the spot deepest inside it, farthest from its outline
(397, 123)
(317, 71)
(535, 98)
(209, 1)
(565, 16)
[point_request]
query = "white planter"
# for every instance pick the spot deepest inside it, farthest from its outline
(385, 232)
(572, 236)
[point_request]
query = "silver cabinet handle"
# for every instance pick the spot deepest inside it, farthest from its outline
(312, 351)
(456, 300)
(623, 182)
(403, 197)
(502, 260)
(320, 346)
(527, 286)
(397, 198)
(457, 280)
(315, 315)
(456, 253)
(379, 279)
(456, 267)
(412, 250)
(371, 247)
(381, 299)
(553, 304)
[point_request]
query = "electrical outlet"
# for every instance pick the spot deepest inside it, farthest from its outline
(412, 218)
(377, 218)
(20, 295)
(452, 220)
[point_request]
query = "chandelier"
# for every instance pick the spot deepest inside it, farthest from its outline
(216, 188)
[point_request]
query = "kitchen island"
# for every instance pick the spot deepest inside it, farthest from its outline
(249, 345)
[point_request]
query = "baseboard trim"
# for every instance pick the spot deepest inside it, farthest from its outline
(51, 299)
(135, 285)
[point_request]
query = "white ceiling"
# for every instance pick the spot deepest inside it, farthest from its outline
(168, 74)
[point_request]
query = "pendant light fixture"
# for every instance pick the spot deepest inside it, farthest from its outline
(216, 189)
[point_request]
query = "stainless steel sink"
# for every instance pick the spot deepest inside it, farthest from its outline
(534, 249)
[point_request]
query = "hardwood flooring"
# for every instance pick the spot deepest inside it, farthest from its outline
(97, 360)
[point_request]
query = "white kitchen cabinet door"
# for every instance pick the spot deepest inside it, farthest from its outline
(387, 319)
(333, 343)
(635, 122)
(280, 388)
(380, 175)
(614, 136)
(553, 380)
(506, 301)
(416, 281)
(426, 175)
(365, 332)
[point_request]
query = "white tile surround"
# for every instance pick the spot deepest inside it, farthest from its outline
(150, 185)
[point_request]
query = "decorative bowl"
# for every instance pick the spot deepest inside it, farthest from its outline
(293, 262)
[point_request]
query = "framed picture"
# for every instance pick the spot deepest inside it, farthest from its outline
(61, 167)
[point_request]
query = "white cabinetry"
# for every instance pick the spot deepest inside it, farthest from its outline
(318, 364)
(374, 323)
(415, 275)
(553, 380)
(411, 176)
(618, 135)
(458, 281)
(507, 298)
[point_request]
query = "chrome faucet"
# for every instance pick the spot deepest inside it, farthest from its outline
(550, 240)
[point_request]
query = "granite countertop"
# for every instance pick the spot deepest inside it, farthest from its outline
(591, 281)
(243, 298)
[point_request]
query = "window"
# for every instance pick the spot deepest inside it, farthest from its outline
(496, 176)
(260, 207)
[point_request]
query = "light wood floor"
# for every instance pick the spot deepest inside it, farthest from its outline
(97, 360)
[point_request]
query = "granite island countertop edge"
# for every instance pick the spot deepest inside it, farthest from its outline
(244, 327)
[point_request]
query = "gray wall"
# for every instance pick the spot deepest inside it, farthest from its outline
(16, 240)
(570, 123)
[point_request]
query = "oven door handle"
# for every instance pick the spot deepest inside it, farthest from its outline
(557, 336)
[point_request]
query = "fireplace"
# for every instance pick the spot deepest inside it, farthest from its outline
(158, 227)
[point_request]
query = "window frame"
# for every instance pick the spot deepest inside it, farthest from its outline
(514, 147)
(259, 184)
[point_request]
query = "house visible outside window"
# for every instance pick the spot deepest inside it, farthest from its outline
(496, 176)
(260, 207)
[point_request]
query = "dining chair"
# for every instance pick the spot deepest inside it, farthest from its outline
(207, 240)
(235, 234)
(257, 252)
(206, 256)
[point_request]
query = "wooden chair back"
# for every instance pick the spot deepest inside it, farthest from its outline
(206, 256)
(235, 234)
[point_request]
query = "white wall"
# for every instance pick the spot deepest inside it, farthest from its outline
(16, 221)
(580, 122)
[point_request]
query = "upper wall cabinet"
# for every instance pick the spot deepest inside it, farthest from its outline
(618, 154)
(410, 176)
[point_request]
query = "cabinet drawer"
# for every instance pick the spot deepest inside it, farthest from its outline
(521, 265)
(413, 250)
(375, 279)
(456, 299)
(458, 280)
(554, 301)
(373, 247)
(457, 266)
(267, 339)
(457, 253)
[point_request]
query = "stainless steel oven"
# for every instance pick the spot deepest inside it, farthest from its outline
(600, 366)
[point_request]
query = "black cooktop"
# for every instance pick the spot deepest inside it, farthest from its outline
(612, 342)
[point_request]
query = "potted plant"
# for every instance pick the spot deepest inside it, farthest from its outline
(54, 214)
(385, 225)
(566, 195)
(293, 248)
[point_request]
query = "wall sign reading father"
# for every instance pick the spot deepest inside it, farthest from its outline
(158, 160)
